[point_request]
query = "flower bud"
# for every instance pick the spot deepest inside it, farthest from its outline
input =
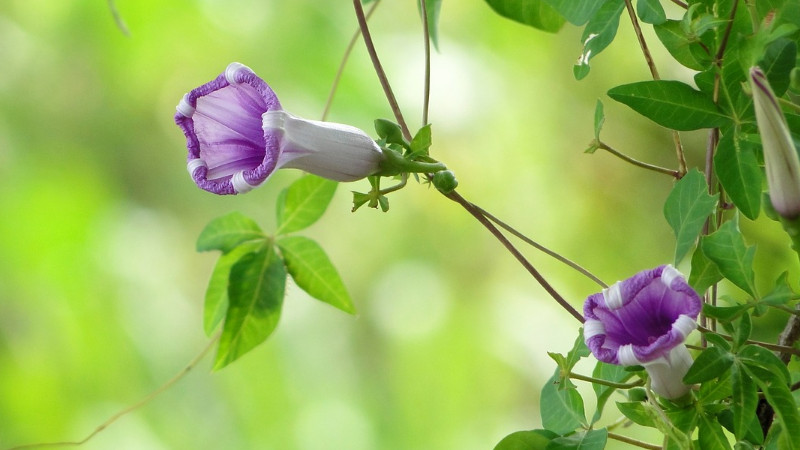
(780, 157)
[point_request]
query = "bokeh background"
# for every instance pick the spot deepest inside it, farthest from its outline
(101, 289)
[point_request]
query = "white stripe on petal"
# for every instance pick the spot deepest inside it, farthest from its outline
(240, 185)
(668, 274)
(613, 296)
(592, 328)
(626, 356)
(184, 107)
(684, 325)
(195, 164)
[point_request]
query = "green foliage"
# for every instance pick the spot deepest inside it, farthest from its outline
(526, 440)
(216, 299)
(535, 13)
(738, 170)
(671, 104)
(304, 203)
(562, 408)
(686, 210)
(598, 34)
(582, 440)
(433, 9)
(727, 249)
(226, 232)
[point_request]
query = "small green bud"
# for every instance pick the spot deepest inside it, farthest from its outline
(445, 181)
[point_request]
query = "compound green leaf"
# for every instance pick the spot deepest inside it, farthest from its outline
(686, 210)
(304, 203)
(226, 232)
(710, 435)
(313, 272)
(671, 104)
(255, 297)
(710, 364)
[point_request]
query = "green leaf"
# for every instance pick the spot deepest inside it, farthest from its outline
(778, 61)
(726, 248)
(780, 398)
(716, 390)
(724, 313)
(651, 11)
(390, 132)
(716, 339)
(535, 13)
(704, 272)
(742, 331)
(216, 299)
(422, 141)
(738, 170)
(671, 104)
(255, 296)
(226, 232)
(686, 210)
(306, 201)
(608, 372)
(314, 273)
(433, 8)
(599, 119)
(774, 370)
(685, 50)
(710, 435)
(637, 412)
(561, 409)
(582, 440)
(526, 440)
(598, 34)
(782, 293)
(577, 12)
(710, 364)
(744, 400)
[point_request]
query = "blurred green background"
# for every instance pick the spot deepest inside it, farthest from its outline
(101, 289)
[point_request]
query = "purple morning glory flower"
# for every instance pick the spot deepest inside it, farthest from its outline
(237, 135)
(644, 320)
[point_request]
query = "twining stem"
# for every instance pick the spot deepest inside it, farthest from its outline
(345, 58)
(542, 248)
(376, 63)
(476, 212)
(426, 35)
(783, 349)
(631, 441)
(455, 196)
(147, 399)
(635, 162)
(676, 137)
(576, 376)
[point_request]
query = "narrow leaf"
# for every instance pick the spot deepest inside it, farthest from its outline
(216, 299)
(742, 331)
(671, 104)
(780, 398)
(599, 119)
(775, 370)
(314, 273)
(306, 201)
(598, 34)
(684, 49)
(255, 296)
(226, 232)
(726, 248)
(534, 13)
(686, 210)
(710, 364)
(710, 435)
(738, 170)
(433, 8)
(744, 400)
(609, 372)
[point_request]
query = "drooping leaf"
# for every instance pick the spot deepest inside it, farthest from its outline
(651, 11)
(561, 409)
(744, 400)
(313, 272)
(526, 440)
(710, 435)
(598, 34)
(710, 364)
(216, 298)
(433, 8)
(306, 201)
(226, 232)
(704, 273)
(686, 210)
(685, 50)
(255, 298)
(738, 170)
(582, 440)
(577, 12)
(534, 13)
(726, 248)
(671, 104)
(609, 372)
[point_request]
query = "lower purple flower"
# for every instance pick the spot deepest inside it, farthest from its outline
(237, 135)
(644, 320)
